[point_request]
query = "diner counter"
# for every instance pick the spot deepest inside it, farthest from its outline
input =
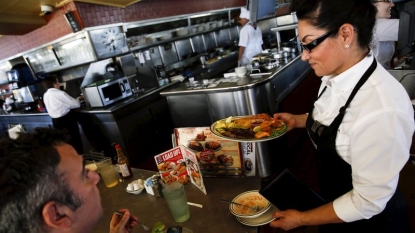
(213, 217)
(246, 82)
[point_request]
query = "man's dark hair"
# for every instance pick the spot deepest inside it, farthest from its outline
(49, 80)
(30, 178)
(331, 15)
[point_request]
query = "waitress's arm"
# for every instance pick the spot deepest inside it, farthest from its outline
(290, 219)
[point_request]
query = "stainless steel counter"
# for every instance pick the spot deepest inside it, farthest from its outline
(245, 82)
(213, 217)
(200, 107)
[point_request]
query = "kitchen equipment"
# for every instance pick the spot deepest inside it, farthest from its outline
(240, 71)
(146, 228)
(21, 73)
(257, 73)
(182, 32)
(203, 60)
(270, 64)
(253, 208)
(105, 92)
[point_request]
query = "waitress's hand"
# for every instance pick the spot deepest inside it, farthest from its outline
(287, 220)
(123, 224)
(292, 121)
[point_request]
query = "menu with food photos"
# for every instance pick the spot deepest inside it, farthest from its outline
(215, 156)
(180, 164)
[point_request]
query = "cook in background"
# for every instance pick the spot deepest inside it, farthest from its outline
(361, 123)
(44, 187)
(386, 35)
(58, 105)
(250, 39)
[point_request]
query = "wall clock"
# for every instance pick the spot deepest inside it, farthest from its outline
(109, 42)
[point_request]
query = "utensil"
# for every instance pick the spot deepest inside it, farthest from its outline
(254, 208)
(146, 228)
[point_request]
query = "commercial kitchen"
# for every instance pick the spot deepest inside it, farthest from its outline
(148, 52)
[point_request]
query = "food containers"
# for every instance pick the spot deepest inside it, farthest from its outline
(182, 32)
(165, 36)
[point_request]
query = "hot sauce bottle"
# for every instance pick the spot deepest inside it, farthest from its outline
(123, 163)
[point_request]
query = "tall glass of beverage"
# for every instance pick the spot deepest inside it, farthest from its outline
(175, 196)
(107, 171)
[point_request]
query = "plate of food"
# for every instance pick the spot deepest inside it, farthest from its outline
(263, 219)
(253, 128)
(249, 198)
(213, 145)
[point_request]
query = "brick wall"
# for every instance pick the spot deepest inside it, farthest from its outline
(55, 28)
(94, 15)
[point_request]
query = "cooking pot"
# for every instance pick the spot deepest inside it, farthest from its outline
(270, 64)
(288, 46)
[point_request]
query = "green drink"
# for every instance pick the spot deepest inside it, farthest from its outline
(176, 199)
(106, 169)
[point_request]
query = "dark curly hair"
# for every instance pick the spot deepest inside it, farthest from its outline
(29, 178)
(331, 15)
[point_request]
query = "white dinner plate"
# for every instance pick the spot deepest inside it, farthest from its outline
(261, 220)
(249, 198)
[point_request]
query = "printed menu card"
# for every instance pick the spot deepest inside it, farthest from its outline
(180, 164)
(216, 156)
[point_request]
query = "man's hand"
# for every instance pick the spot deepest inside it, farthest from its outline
(124, 224)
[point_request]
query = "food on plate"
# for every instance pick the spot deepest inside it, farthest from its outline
(196, 146)
(225, 158)
(252, 199)
(166, 166)
(200, 137)
(213, 145)
(179, 168)
(250, 127)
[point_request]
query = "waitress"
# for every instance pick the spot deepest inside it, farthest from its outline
(59, 106)
(250, 39)
(361, 123)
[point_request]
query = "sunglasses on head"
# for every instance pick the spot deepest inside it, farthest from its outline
(382, 1)
(310, 46)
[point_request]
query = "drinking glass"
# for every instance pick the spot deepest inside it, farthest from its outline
(175, 196)
(107, 171)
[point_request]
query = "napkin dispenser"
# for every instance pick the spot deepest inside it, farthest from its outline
(153, 186)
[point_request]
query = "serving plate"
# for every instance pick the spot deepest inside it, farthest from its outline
(263, 219)
(216, 133)
(249, 198)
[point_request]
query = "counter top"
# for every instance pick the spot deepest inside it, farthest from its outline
(225, 84)
(108, 109)
(213, 217)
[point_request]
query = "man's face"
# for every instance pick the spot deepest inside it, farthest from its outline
(84, 184)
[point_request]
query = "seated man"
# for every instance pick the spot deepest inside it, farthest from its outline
(44, 187)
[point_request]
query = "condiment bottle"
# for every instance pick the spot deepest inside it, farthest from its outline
(123, 163)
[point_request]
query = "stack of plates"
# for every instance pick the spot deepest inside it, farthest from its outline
(261, 217)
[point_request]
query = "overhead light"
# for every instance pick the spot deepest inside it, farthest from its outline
(45, 10)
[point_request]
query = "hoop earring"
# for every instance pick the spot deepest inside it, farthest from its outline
(346, 46)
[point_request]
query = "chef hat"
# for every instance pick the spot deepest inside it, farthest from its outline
(244, 13)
